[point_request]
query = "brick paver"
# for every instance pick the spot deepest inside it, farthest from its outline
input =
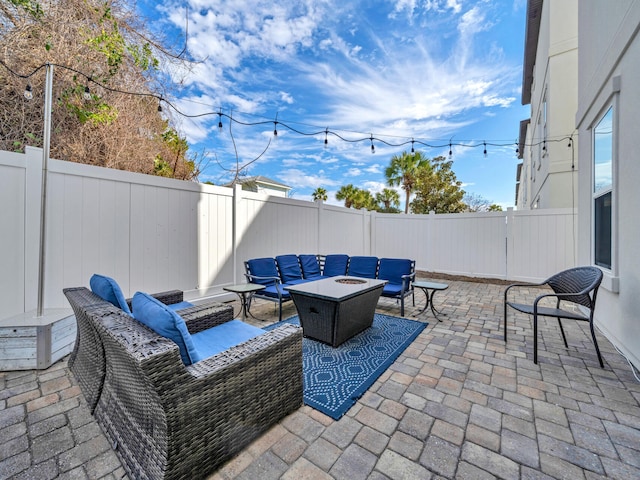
(458, 403)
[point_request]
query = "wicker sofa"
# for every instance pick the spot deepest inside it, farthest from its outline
(171, 421)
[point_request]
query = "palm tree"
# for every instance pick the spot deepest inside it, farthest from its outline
(347, 193)
(319, 194)
(390, 200)
(402, 171)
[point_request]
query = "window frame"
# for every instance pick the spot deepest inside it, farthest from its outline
(610, 271)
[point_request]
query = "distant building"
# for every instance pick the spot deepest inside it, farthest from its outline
(547, 176)
(260, 184)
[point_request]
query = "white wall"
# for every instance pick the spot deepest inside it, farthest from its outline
(154, 234)
(548, 180)
(609, 69)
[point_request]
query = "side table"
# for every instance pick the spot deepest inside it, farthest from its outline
(244, 292)
(434, 287)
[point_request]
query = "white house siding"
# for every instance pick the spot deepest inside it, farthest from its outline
(609, 69)
(547, 176)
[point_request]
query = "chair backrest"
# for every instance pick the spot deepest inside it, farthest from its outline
(262, 267)
(392, 269)
(335, 264)
(289, 267)
(575, 280)
(364, 267)
(310, 265)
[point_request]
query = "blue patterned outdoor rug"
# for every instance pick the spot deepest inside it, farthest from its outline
(334, 378)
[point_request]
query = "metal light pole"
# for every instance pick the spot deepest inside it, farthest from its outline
(45, 171)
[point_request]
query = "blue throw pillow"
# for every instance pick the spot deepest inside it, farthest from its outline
(164, 321)
(109, 290)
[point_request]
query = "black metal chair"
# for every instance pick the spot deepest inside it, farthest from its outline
(576, 285)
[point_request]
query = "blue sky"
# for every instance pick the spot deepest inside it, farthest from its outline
(434, 70)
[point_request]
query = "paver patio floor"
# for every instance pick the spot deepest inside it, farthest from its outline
(458, 403)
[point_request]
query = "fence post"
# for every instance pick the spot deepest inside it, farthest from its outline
(33, 224)
(509, 244)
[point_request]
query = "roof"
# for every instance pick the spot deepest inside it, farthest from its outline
(534, 14)
(259, 179)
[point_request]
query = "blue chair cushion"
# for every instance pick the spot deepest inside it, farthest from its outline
(180, 306)
(335, 264)
(167, 323)
(263, 267)
(392, 290)
(222, 337)
(289, 268)
(310, 266)
(393, 269)
(364, 267)
(272, 292)
(109, 290)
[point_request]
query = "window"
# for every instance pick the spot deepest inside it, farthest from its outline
(603, 189)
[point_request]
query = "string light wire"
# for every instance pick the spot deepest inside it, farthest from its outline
(326, 131)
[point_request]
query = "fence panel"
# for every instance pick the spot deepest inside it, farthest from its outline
(155, 234)
(12, 237)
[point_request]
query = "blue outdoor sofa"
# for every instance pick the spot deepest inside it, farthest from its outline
(277, 273)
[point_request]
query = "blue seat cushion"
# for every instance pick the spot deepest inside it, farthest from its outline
(289, 268)
(272, 292)
(180, 306)
(392, 290)
(310, 266)
(167, 323)
(263, 267)
(335, 264)
(223, 337)
(364, 267)
(393, 269)
(109, 290)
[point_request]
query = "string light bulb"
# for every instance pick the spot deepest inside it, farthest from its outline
(373, 148)
(87, 93)
(326, 137)
(275, 130)
(160, 104)
(450, 151)
(413, 150)
(28, 93)
(220, 121)
(485, 149)
(544, 145)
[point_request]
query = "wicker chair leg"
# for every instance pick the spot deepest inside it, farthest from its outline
(535, 339)
(595, 343)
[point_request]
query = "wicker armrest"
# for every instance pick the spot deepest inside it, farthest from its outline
(206, 316)
(168, 298)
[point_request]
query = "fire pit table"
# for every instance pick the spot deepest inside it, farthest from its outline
(334, 309)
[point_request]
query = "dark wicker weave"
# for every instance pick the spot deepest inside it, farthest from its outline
(333, 321)
(168, 421)
(576, 285)
(87, 359)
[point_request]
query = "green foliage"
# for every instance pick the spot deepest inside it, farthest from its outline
(437, 189)
(162, 168)
(143, 56)
(346, 193)
(319, 194)
(96, 111)
(355, 197)
(388, 201)
(403, 170)
(495, 208)
(32, 8)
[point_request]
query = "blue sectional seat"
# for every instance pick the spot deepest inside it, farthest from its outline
(400, 274)
(335, 264)
(363, 267)
(310, 267)
(286, 270)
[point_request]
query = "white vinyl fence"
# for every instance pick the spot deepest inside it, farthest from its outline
(155, 234)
